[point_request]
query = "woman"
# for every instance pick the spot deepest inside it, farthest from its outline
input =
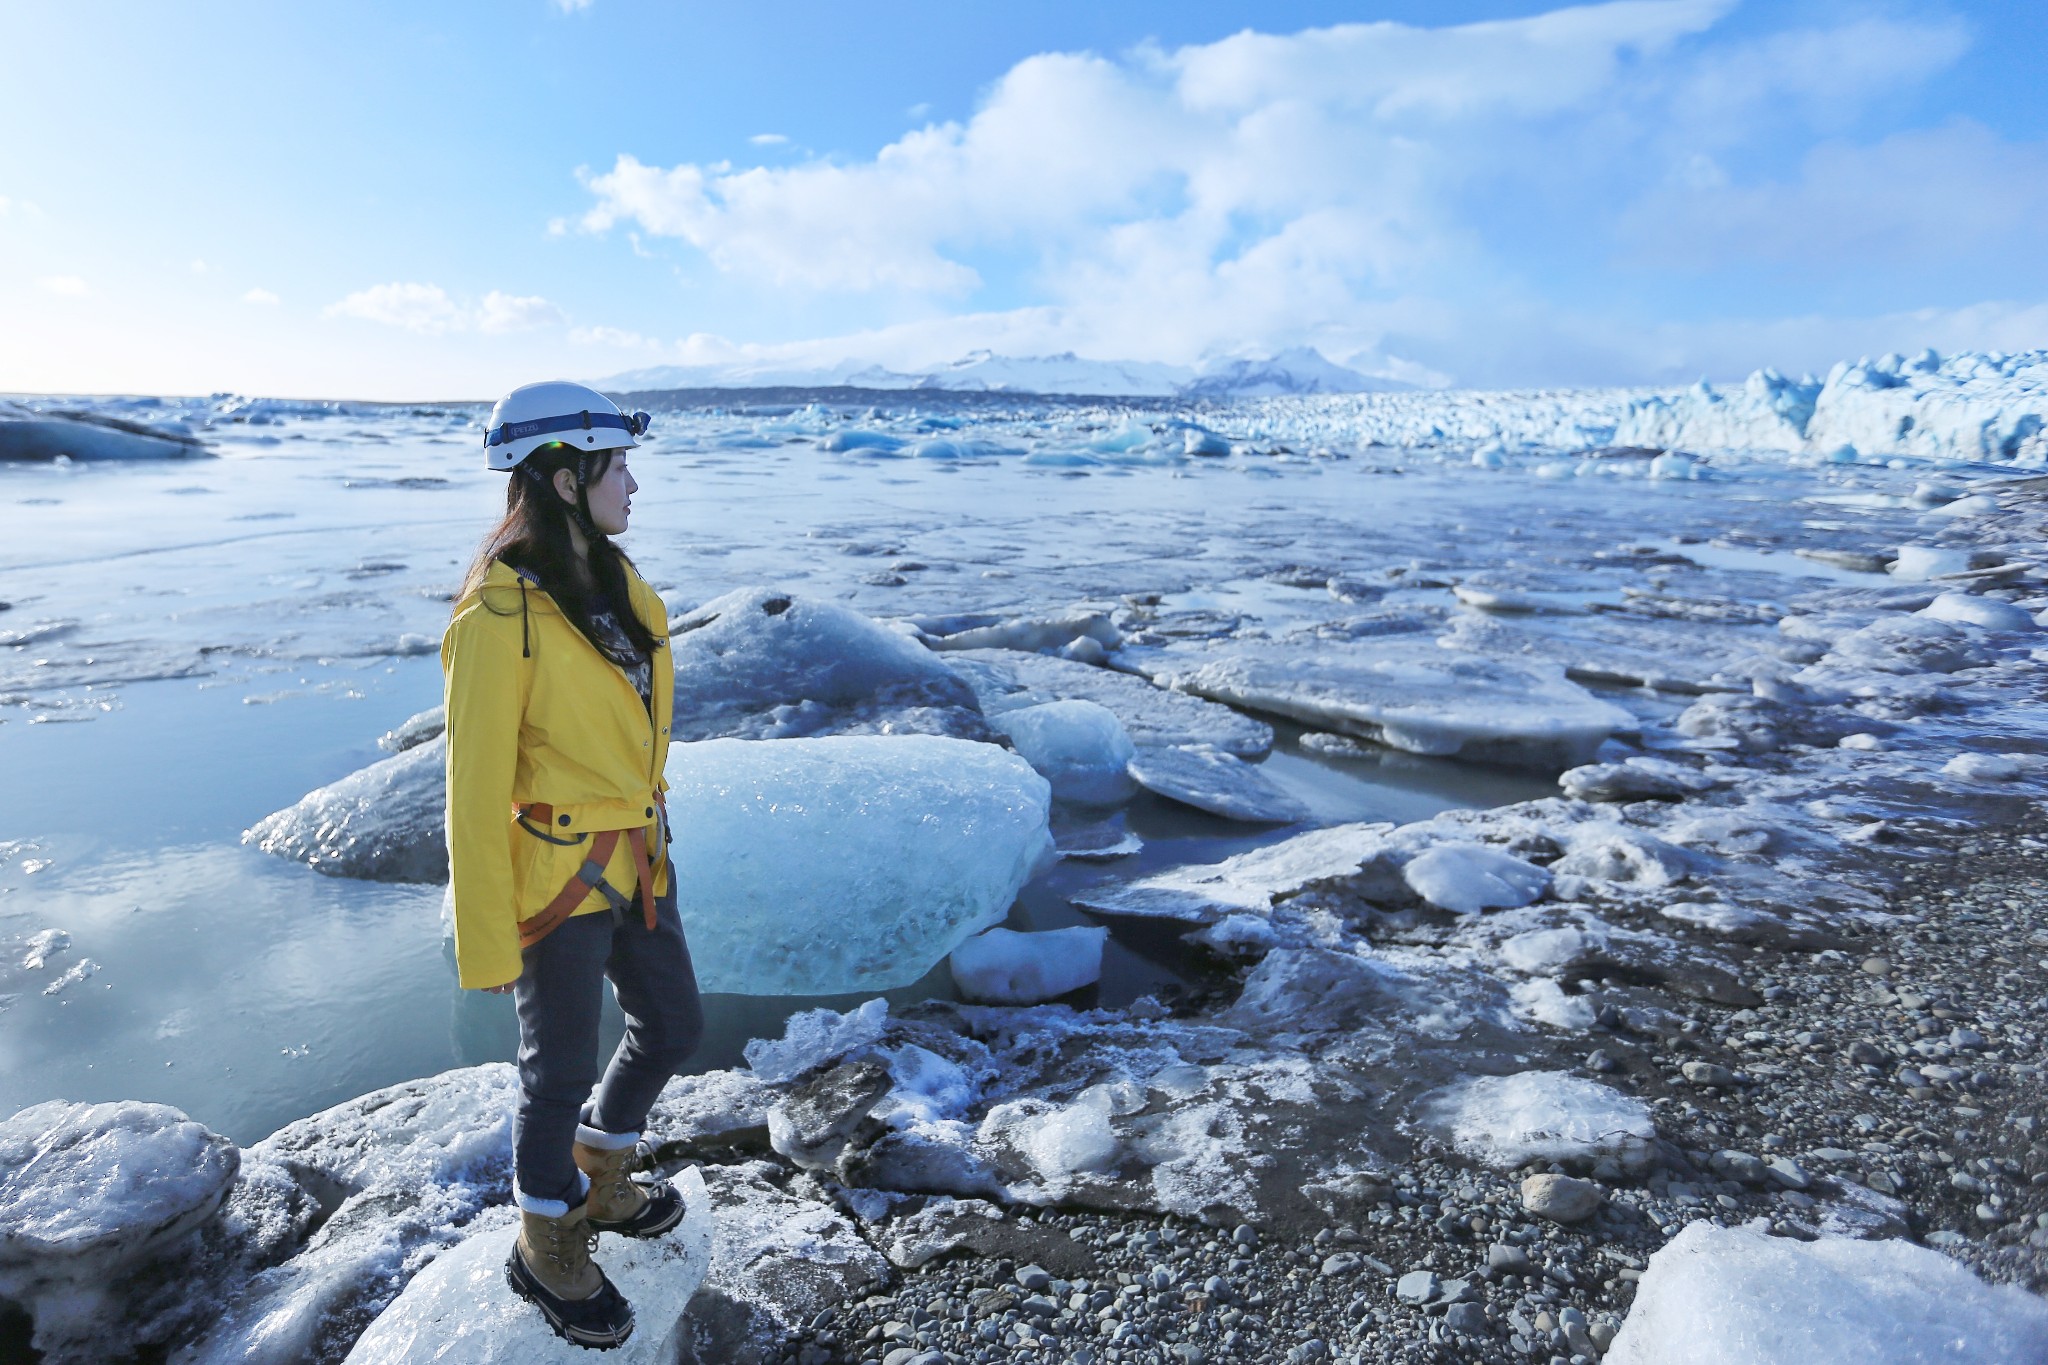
(559, 690)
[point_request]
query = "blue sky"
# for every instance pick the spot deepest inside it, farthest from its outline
(441, 200)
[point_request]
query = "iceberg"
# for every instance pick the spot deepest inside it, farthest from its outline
(383, 823)
(1739, 1296)
(846, 863)
(1079, 747)
(89, 436)
(1414, 695)
(759, 663)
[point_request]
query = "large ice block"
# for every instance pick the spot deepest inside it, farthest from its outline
(847, 863)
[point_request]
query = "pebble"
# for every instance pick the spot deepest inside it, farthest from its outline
(1034, 1278)
(1560, 1198)
(1877, 966)
(1866, 1054)
(1467, 1319)
(1343, 1263)
(1788, 1173)
(1708, 1074)
(1417, 1286)
(1742, 1166)
(1505, 1259)
(1245, 1235)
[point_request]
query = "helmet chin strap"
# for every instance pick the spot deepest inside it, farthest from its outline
(579, 510)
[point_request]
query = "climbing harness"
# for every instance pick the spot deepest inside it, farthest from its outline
(590, 876)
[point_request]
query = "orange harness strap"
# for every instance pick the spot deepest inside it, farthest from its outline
(590, 877)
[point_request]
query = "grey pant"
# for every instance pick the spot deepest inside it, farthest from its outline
(558, 998)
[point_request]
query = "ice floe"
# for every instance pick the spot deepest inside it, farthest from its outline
(93, 1196)
(1411, 695)
(1216, 782)
(1152, 716)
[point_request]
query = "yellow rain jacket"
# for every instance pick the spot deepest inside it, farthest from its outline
(537, 715)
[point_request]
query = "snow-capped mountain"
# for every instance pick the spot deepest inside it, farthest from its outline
(1299, 370)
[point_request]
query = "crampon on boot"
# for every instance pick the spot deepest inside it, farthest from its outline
(620, 1204)
(550, 1267)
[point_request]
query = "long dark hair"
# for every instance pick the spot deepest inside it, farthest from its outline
(534, 537)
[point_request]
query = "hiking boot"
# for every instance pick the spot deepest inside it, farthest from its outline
(550, 1267)
(618, 1203)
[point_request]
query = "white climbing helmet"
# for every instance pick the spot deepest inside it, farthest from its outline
(534, 415)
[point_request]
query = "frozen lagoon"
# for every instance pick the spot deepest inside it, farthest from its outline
(203, 695)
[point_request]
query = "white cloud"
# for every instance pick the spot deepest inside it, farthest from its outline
(617, 338)
(71, 286)
(198, 267)
(1908, 197)
(262, 296)
(424, 308)
(1828, 71)
(768, 139)
(1380, 190)
(571, 6)
(501, 312)
(429, 310)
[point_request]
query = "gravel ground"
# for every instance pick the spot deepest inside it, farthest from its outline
(1890, 1085)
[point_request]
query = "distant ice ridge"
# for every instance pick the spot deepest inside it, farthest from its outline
(1297, 370)
(1980, 407)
